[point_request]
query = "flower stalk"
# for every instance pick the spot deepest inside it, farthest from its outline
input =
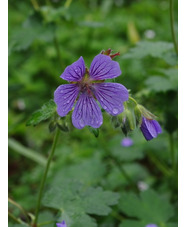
(45, 175)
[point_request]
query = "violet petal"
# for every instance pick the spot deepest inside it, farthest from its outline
(75, 71)
(87, 112)
(65, 96)
(111, 96)
(103, 67)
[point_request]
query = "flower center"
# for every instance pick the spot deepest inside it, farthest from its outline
(85, 84)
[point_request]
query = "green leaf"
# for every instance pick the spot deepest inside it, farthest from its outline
(147, 48)
(91, 24)
(149, 207)
(94, 131)
(131, 223)
(28, 153)
(46, 218)
(46, 111)
(74, 220)
(93, 171)
(76, 199)
(127, 154)
(170, 58)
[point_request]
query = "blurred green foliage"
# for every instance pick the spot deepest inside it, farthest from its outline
(44, 38)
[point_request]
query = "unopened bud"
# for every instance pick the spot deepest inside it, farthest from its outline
(129, 121)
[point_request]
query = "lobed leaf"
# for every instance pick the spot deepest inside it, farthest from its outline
(46, 111)
(75, 199)
(149, 207)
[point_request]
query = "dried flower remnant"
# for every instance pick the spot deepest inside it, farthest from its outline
(88, 86)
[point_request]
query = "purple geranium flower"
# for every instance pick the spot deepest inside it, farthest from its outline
(62, 224)
(150, 128)
(151, 225)
(87, 87)
(127, 142)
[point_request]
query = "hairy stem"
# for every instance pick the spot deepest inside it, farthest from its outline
(172, 26)
(132, 99)
(45, 175)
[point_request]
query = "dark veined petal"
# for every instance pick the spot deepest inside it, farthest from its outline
(87, 112)
(75, 71)
(150, 128)
(111, 96)
(103, 67)
(65, 96)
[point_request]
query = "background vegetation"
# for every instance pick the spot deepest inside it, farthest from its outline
(92, 181)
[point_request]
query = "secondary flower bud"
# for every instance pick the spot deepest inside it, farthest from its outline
(129, 121)
(150, 128)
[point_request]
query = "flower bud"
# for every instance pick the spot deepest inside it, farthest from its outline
(147, 114)
(129, 121)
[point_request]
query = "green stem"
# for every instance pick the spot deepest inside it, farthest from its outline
(19, 207)
(56, 43)
(172, 26)
(45, 175)
(172, 152)
(132, 99)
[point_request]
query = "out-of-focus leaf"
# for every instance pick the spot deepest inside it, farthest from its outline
(32, 29)
(131, 223)
(33, 155)
(45, 217)
(46, 111)
(127, 154)
(170, 58)
(93, 171)
(149, 207)
(159, 83)
(91, 24)
(147, 48)
(115, 179)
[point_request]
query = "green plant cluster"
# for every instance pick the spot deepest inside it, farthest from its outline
(93, 180)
